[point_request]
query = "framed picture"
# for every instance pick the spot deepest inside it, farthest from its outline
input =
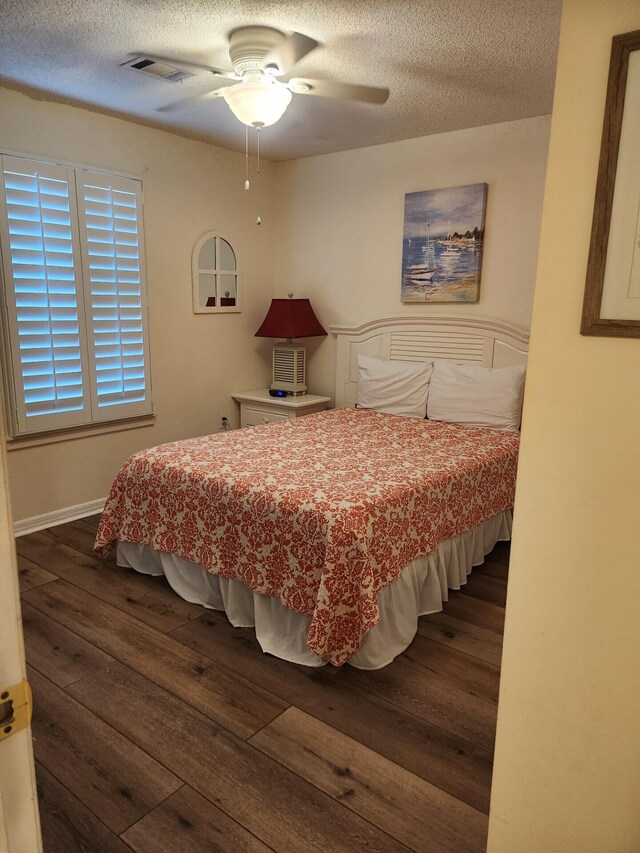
(612, 290)
(442, 244)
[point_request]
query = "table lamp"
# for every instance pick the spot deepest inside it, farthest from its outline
(289, 318)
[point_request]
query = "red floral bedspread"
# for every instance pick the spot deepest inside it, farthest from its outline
(320, 511)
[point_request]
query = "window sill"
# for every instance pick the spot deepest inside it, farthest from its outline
(55, 437)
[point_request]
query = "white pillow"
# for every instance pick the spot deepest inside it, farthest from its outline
(476, 396)
(394, 387)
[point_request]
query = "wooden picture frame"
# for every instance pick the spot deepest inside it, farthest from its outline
(612, 291)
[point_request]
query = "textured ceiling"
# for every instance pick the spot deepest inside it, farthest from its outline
(448, 64)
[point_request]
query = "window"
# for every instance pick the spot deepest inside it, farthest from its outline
(75, 320)
(215, 276)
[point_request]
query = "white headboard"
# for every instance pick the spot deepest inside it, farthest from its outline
(491, 343)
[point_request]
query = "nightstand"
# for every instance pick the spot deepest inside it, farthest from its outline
(258, 407)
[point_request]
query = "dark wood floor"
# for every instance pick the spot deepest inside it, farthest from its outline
(159, 727)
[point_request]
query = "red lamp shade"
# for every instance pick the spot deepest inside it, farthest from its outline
(290, 318)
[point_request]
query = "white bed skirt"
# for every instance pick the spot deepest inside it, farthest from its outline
(419, 590)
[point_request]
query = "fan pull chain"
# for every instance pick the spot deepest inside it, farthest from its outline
(246, 157)
(258, 220)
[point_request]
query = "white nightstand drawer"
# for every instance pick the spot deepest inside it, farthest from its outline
(253, 417)
(259, 407)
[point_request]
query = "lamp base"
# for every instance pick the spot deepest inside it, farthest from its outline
(289, 368)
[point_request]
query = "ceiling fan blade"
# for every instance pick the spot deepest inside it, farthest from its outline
(167, 108)
(284, 56)
(336, 89)
(193, 66)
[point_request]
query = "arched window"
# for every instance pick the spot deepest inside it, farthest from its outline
(215, 276)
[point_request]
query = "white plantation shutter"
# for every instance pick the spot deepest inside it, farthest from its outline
(44, 306)
(110, 211)
(76, 331)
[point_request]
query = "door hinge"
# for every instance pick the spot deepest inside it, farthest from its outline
(16, 706)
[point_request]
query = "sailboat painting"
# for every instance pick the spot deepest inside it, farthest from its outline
(442, 244)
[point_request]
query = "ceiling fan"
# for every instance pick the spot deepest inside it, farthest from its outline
(259, 56)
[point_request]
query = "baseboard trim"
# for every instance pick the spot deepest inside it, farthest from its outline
(58, 516)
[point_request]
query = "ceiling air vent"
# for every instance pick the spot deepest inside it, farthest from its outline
(170, 73)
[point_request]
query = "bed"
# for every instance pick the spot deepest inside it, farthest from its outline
(332, 533)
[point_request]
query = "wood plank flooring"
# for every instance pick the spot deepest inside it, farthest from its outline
(160, 727)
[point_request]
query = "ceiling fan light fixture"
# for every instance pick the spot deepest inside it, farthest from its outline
(258, 103)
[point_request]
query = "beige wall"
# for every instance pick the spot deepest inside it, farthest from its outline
(196, 360)
(341, 221)
(567, 769)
